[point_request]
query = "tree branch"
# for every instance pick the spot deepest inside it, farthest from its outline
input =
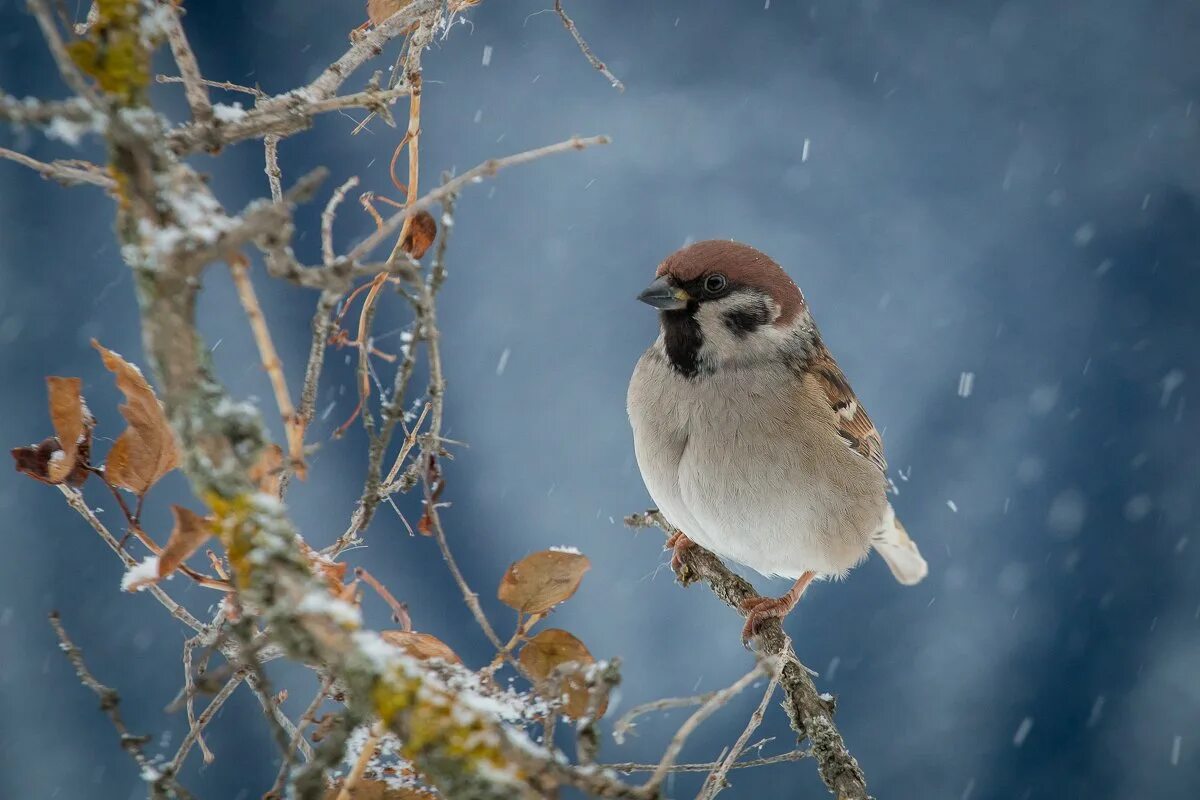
(810, 713)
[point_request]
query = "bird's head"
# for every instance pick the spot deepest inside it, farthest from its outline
(724, 303)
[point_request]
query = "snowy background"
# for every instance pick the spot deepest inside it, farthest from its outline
(1008, 189)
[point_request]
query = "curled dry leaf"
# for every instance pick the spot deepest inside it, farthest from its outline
(419, 235)
(542, 580)
(191, 530)
(267, 472)
(62, 458)
(556, 659)
(421, 646)
(146, 450)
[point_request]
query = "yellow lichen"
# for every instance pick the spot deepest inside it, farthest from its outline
(232, 522)
(431, 726)
(114, 52)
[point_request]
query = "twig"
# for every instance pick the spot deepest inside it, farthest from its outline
(110, 703)
(69, 173)
(239, 268)
(628, 767)
(189, 69)
(810, 714)
(54, 41)
(715, 782)
(189, 692)
(328, 216)
(274, 176)
(485, 170)
(625, 724)
(76, 501)
(399, 610)
(226, 85)
(596, 63)
(717, 700)
(196, 729)
(306, 718)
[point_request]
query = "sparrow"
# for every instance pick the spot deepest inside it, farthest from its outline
(747, 434)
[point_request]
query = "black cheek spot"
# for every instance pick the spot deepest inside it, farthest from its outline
(745, 321)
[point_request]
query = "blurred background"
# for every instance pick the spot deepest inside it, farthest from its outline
(998, 225)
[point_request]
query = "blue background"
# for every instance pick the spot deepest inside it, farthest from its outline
(1010, 189)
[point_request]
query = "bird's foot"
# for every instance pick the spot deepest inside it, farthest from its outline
(678, 543)
(759, 609)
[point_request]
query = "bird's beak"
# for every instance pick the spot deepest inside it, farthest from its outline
(664, 295)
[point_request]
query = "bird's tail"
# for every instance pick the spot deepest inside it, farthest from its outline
(899, 551)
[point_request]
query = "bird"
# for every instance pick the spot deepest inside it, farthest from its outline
(748, 436)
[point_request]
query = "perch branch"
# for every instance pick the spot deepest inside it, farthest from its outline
(810, 713)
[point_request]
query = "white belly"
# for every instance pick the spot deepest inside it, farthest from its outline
(727, 462)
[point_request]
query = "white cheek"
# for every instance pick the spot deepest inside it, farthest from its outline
(723, 345)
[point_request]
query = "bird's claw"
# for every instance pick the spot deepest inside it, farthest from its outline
(678, 543)
(760, 609)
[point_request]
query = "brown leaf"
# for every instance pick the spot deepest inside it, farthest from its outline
(555, 658)
(380, 10)
(267, 472)
(73, 425)
(422, 230)
(421, 646)
(146, 450)
(62, 458)
(540, 581)
(191, 530)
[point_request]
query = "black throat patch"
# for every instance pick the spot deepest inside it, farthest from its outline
(683, 340)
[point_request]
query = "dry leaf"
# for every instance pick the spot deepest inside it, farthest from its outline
(421, 646)
(191, 530)
(146, 450)
(267, 472)
(380, 10)
(73, 425)
(555, 655)
(62, 458)
(540, 581)
(422, 230)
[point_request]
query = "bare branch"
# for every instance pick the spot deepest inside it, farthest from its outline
(783, 758)
(328, 216)
(717, 700)
(485, 170)
(110, 703)
(596, 63)
(715, 782)
(66, 67)
(810, 713)
(226, 85)
(68, 173)
(189, 69)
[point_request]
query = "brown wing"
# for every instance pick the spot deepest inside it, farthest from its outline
(854, 426)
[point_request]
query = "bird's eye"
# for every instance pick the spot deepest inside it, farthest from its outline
(715, 283)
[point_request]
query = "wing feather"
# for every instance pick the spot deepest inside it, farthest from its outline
(853, 424)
